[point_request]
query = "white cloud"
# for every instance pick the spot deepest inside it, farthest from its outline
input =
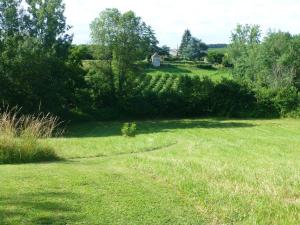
(212, 21)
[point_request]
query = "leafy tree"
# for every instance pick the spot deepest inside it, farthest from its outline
(9, 17)
(100, 79)
(226, 61)
(195, 49)
(243, 52)
(277, 67)
(34, 59)
(85, 52)
(191, 48)
(45, 20)
(295, 58)
(273, 63)
(123, 39)
(243, 39)
(164, 51)
(215, 57)
(186, 38)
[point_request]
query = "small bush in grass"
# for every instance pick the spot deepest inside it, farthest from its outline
(20, 137)
(129, 129)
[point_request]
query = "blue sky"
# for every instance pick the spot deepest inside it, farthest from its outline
(210, 20)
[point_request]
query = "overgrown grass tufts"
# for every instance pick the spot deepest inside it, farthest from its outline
(20, 137)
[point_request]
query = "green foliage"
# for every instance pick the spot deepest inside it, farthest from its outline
(226, 61)
(273, 63)
(83, 52)
(233, 99)
(36, 70)
(159, 95)
(215, 57)
(167, 92)
(41, 69)
(286, 100)
(276, 102)
(206, 66)
(102, 84)
(271, 67)
(279, 57)
(243, 51)
(123, 39)
(129, 129)
(187, 36)
(191, 48)
(190, 68)
(164, 51)
(194, 50)
(293, 114)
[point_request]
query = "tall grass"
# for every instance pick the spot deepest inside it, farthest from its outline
(20, 137)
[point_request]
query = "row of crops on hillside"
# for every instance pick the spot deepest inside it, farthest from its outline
(160, 84)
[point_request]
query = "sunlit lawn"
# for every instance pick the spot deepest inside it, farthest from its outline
(206, 171)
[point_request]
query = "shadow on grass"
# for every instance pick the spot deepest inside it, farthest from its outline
(57, 159)
(38, 208)
(105, 129)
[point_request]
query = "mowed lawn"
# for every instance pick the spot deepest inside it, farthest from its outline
(202, 171)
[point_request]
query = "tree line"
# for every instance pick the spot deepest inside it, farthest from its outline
(37, 67)
(40, 69)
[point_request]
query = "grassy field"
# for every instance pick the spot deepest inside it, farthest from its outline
(220, 50)
(179, 68)
(189, 69)
(206, 171)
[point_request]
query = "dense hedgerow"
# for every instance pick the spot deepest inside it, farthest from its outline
(20, 137)
(277, 102)
(176, 96)
(167, 95)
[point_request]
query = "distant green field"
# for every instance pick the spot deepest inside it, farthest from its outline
(176, 172)
(179, 68)
(220, 50)
(189, 69)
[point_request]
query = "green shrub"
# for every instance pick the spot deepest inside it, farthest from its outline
(226, 61)
(232, 99)
(277, 102)
(286, 100)
(129, 129)
(206, 66)
(293, 114)
(215, 57)
(167, 95)
(20, 137)
(265, 106)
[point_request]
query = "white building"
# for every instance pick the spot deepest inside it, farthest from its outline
(155, 60)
